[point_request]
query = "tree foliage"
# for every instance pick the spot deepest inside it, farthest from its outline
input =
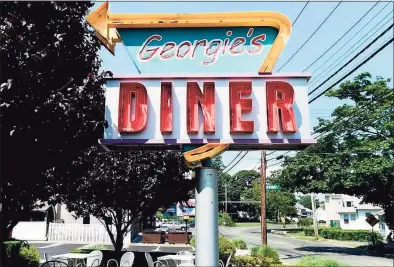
(355, 151)
(120, 188)
(305, 201)
(52, 101)
(276, 201)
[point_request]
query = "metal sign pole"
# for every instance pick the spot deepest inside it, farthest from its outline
(207, 229)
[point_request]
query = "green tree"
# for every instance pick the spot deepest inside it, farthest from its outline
(277, 202)
(120, 188)
(52, 100)
(305, 201)
(355, 151)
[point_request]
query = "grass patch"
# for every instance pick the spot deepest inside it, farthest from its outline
(247, 224)
(313, 261)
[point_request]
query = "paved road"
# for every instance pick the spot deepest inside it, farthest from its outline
(291, 249)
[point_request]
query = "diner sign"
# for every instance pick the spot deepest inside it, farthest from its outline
(246, 112)
(199, 50)
(202, 78)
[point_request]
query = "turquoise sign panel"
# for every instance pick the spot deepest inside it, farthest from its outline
(198, 50)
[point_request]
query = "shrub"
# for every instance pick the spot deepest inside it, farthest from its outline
(266, 252)
(225, 220)
(305, 222)
(252, 261)
(239, 243)
(12, 249)
(312, 261)
(193, 242)
(346, 235)
(89, 248)
(30, 256)
(226, 248)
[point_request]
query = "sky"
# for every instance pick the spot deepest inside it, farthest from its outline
(343, 18)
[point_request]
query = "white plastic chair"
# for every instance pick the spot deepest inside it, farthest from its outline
(185, 252)
(127, 260)
(152, 263)
(228, 260)
(95, 260)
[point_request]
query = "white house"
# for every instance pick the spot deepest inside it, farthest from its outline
(321, 214)
(302, 211)
(347, 212)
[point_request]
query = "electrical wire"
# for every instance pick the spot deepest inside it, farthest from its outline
(234, 164)
(299, 14)
(357, 45)
(354, 69)
(343, 35)
(329, 15)
(354, 35)
(232, 160)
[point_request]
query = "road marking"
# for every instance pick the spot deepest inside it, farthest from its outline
(52, 245)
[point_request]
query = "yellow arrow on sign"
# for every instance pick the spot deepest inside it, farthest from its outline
(105, 25)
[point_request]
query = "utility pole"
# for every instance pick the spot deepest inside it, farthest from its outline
(263, 171)
(314, 217)
(225, 197)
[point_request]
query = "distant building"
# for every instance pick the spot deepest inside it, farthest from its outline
(347, 212)
(302, 211)
(321, 214)
(182, 209)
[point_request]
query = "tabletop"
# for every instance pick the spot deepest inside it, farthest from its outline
(178, 257)
(74, 256)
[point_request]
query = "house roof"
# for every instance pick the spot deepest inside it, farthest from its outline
(347, 210)
(299, 206)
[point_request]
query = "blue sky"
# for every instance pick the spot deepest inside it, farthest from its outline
(347, 14)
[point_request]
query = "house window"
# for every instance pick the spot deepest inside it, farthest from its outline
(346, 218)
(86, 220)
(349, 204)
(353, 217)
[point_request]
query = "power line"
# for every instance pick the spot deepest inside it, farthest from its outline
(354, 35)
(232, 160)
(355, 47)
(354, 69)
(343, 35)
(353, 58)
(234, 164)
(329, 15)
(299, 14)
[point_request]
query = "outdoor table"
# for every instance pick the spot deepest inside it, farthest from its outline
(74, 256)
(180, 258)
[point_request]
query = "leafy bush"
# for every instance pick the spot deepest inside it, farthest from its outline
(226, 248)
(12, 249)
(313, 261)
(88, 249)
(239, 243)
(225, 220)
(346, 235)
(19, 253)
(193, 242)
(252, 261)
(305, 222)
(30, 256)
(266, 252)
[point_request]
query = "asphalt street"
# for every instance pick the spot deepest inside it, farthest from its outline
(291, 249)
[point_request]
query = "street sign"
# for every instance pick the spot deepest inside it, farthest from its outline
(371, 220)
(273, 187)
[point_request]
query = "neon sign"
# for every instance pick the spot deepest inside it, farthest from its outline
(212, 49)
